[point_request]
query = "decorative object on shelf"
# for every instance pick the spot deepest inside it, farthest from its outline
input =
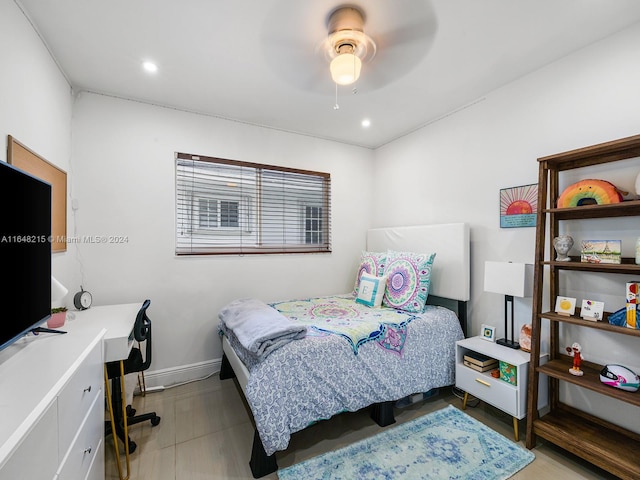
(518, 206)
(601, 251)
(638, 251)
(511, 280)
(495, 373)
(508, 373)
(575, 351)
(589, 192)
(619, 317)
(619, 376)
(565, 306)
(488, 332)
(592, 310)
(562, 244)
(58, 317)
(632, 290)
(525, 337)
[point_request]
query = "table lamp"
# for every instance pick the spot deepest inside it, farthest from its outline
(58, 292)
(511, 280)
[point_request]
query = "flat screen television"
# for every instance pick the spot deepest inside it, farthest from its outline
(25, 253)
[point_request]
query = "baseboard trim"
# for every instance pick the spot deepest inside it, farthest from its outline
(168, 377)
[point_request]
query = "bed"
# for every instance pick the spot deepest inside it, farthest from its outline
(352, 356)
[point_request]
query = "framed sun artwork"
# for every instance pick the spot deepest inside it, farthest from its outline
(519, 206)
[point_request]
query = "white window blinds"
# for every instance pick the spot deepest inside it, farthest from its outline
(232, 207)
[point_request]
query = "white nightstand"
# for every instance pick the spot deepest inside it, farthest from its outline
(511, 399)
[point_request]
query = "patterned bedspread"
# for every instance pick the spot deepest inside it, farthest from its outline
(356, 323)
(352, 357)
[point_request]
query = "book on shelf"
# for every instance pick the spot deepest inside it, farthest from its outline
(479, 359)
(482, 368)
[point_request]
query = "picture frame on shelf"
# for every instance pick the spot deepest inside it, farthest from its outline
(565, 306)
(488, 332)
(601, 251)
(592, 310)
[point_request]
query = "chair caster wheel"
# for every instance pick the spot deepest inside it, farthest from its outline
(155, 421)
(132, 447)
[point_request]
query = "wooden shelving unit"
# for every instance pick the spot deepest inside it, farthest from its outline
(598, 441)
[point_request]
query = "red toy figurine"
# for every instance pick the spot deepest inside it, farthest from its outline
(575, 351)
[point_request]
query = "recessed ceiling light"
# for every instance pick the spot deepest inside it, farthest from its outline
(150, 67)
(366, 123)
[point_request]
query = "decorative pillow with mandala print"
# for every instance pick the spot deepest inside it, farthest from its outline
(408, 280)
(372, 263)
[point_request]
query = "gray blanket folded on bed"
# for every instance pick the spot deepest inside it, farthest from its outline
(260, 329)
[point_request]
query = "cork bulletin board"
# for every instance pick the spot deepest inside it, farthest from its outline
(21, 157)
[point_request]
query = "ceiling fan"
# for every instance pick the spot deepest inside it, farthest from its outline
(347, 46)
(379, 40)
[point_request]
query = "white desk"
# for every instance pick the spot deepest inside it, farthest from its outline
(118, 320)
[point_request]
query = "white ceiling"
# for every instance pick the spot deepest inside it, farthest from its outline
(256, 61)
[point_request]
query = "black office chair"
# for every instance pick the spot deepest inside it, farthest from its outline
(135, 363)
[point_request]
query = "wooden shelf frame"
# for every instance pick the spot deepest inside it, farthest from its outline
(598, 441)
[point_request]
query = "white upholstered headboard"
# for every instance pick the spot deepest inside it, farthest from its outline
(450, 276)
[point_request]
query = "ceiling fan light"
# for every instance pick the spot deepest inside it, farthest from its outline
(345, 68)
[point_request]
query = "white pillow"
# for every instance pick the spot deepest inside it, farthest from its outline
(371, 290)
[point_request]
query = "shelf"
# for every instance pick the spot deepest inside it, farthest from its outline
(623, 209)
(559, 368)
(601, 153)
(596, 440)
(613, 448)
(628, 266)
(601, 325)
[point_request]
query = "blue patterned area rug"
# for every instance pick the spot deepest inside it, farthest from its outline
(444, 444)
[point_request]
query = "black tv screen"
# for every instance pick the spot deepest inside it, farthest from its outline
(25, 252)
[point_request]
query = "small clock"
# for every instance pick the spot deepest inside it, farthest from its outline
(82, 299)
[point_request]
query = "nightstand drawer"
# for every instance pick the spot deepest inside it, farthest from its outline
(494, 391)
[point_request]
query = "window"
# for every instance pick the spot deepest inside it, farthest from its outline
(226, 207)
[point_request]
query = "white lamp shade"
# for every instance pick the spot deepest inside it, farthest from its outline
(345, 68)
(507, 278)
(58, 291)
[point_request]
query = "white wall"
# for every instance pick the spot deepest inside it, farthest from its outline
(453, 169)
(121, 173)
(124, 183)
(35, 100)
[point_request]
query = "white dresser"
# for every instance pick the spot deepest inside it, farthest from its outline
(52, 406)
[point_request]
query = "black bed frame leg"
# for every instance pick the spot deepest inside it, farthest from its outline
(260, 463)
(382, 413)
(226, 371)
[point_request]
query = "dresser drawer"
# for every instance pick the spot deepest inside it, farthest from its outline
(78, 395)
(37, 456)
(494, 391)
(96, 470)
(87, 445)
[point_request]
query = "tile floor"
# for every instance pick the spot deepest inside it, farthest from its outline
(206, 433)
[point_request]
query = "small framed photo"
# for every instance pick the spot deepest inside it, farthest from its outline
(488, 332)
(592, 310)
(565, 306)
